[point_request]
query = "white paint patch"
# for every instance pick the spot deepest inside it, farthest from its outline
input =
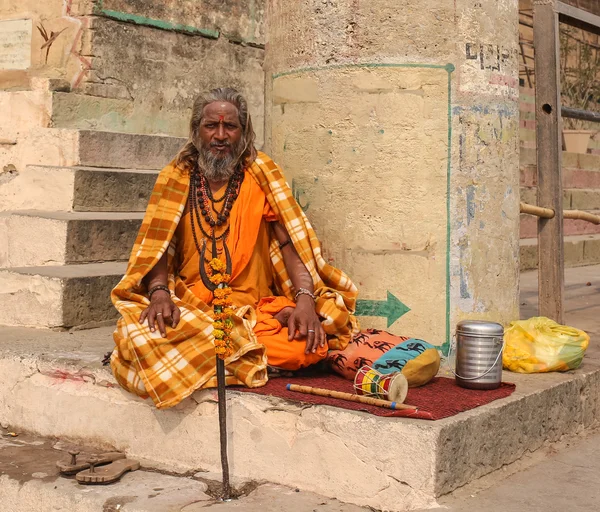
(15, 44)
(507, 5)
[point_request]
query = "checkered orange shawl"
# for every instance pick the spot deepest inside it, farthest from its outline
(170, 369)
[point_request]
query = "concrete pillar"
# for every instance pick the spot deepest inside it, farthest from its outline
(397, 125)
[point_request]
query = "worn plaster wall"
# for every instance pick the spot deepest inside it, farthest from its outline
(118, 65)
(238, 20)
(397, 126)
(145, 79)
(151, 58)
(64, 57)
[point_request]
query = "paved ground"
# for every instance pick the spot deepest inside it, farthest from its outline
(582, 294)
(567, 481)
(29, 482)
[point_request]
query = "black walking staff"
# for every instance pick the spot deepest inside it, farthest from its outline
(221, 392)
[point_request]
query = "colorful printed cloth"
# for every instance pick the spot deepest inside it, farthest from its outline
(170, 369)
(386, 353)
(418, 361)
(395, 359)
(365, 348)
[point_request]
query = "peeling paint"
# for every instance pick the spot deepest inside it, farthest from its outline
(470, 203)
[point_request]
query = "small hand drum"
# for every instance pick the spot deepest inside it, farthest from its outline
(392, 386)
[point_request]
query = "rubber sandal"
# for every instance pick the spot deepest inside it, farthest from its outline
(106, 474)
(73, 467)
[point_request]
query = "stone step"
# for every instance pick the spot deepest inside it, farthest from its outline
(579, 250)
(35, 133)
(588, 161)
(572, 178)
(107, 190)
(52, 384)
(64, 147)
(582, 199)
(581, 178)
(528, 226)
(126, 150)
(78, 188)
(59, 296)
(56, 147)
(528, 133)
(529, 195)
(35, 238)
(573, 198)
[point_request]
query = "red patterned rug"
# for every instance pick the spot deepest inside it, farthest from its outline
(438, 399)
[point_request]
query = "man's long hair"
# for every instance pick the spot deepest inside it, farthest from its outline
(188, 155)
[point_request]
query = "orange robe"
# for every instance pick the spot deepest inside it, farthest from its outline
(252, 276)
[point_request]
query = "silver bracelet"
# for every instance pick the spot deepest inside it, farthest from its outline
(304, 291)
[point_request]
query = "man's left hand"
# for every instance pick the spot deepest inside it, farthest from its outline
(304, 323)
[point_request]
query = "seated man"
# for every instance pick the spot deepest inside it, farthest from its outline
(220, 197)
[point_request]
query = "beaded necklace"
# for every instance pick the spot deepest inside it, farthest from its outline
(203, 203)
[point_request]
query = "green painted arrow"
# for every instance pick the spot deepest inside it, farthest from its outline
(391, 308)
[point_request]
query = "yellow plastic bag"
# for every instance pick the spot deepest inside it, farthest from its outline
(541, 345)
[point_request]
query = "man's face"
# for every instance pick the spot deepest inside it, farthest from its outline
(220, 129)
(221, 142)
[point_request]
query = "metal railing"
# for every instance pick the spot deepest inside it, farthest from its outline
(584, 115)
(547, 213)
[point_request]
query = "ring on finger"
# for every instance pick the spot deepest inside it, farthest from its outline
(158, 314)
(310, 330)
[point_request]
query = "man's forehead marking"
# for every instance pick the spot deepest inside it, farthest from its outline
(221, 118)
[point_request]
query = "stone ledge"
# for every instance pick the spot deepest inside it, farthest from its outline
(68, 189)
(52, 384)
(65, 147)
(59, 296)
(572, 160)
(126, 150)
(67, 237)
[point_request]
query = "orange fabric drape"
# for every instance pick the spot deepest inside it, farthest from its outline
(248, 238)
(281, 353)
(251, 276)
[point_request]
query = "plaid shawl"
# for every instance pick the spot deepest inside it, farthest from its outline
(170, 369)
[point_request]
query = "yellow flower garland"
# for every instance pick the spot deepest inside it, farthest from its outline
(222, 306)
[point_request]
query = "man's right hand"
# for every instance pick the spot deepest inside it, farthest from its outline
(162, 311)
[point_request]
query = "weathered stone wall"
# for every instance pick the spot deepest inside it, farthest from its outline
(145, 79)
(63, 58)
(130, 66)
(239, 20)
(397, 124)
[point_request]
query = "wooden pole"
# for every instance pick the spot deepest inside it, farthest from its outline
(549, 153)
(349, 397)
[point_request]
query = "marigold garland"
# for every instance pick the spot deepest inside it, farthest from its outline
(222, 307)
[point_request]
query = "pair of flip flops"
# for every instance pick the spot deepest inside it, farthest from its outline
(105, 468)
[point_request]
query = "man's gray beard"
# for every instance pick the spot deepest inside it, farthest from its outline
(218, 167)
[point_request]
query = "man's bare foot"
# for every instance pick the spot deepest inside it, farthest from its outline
(283, 316)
